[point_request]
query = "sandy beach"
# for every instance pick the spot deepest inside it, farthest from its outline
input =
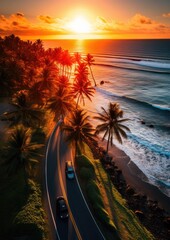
(135, 177)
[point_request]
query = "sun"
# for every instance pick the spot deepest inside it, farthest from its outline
(80, 25)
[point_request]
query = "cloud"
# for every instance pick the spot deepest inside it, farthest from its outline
(43, 25)
(138, 25)
(104, 25)
(19, 14)
(46, 19)
(2, 18)
(13, 21)
(101, 19)
(19, 25)
(166, 15)
(141, 19)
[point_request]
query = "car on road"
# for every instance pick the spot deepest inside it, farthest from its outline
(69, 170)
(62, 209)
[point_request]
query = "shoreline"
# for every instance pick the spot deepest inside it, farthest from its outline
(134, 177)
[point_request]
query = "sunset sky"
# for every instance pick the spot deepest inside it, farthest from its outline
(115, 19)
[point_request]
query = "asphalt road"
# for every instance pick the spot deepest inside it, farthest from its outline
(81, 224)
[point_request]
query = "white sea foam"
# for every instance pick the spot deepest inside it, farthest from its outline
(147, 148)
(153, 165)
(162, 107)
(153, 64)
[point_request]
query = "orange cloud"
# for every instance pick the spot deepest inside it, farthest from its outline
(47, 19)
(140, 19)
(19, 25)
(166, 15)
(138, 26)
(14, 21)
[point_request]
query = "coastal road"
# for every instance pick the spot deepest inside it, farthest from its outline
(81, 224)
(59, 229)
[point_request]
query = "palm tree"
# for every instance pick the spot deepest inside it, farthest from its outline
(66, 60)
(61, 103)
(82, 87)
(21, 152)
(112, 124)
(23, 112)
(78, 128)
(90, 60)
(77, 59)
(81, 72)
(37, 95)
(48, 78)
(63, 82)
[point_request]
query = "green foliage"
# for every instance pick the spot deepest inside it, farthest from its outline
(38, 135)
(84, 161)
(30, 220)
(94, 194)
(86, 173)
(117, 221)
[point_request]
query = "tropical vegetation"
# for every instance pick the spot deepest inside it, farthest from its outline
(112, 124)
(41, 83)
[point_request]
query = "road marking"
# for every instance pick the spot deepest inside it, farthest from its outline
(46, 184)
(64, 192)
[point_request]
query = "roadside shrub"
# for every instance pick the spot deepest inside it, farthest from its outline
(103, 216)
(93, 194)
(83, 161)
(30, 220)
(86, 173)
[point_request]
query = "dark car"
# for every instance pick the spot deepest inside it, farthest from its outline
(69, 170)
(62, 209)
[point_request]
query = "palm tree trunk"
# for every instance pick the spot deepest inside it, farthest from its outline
(76, 148)
(92, 76)
(108, 142)
(77, 101)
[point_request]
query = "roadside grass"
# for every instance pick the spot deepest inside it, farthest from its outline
(30, 220)
(21, 207)
(109, 208)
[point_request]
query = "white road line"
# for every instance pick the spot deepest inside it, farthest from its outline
(46, 184)
(64, 192)
(88, 207)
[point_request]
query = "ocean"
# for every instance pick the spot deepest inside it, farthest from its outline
(136, 73)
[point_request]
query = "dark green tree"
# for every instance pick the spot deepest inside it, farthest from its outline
(112, 124)
(21, 152)
(78, 128)
(23, 112)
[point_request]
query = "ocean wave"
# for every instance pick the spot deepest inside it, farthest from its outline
(133, 68)
(163, 183)
(133, 100)
(136, 63)
(153, 147)
(161, 107)
(153, 64)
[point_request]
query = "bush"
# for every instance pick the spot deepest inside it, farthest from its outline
(30, 220)
(93, 194)
(104, 218)
(86, 173)
(83, 161)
